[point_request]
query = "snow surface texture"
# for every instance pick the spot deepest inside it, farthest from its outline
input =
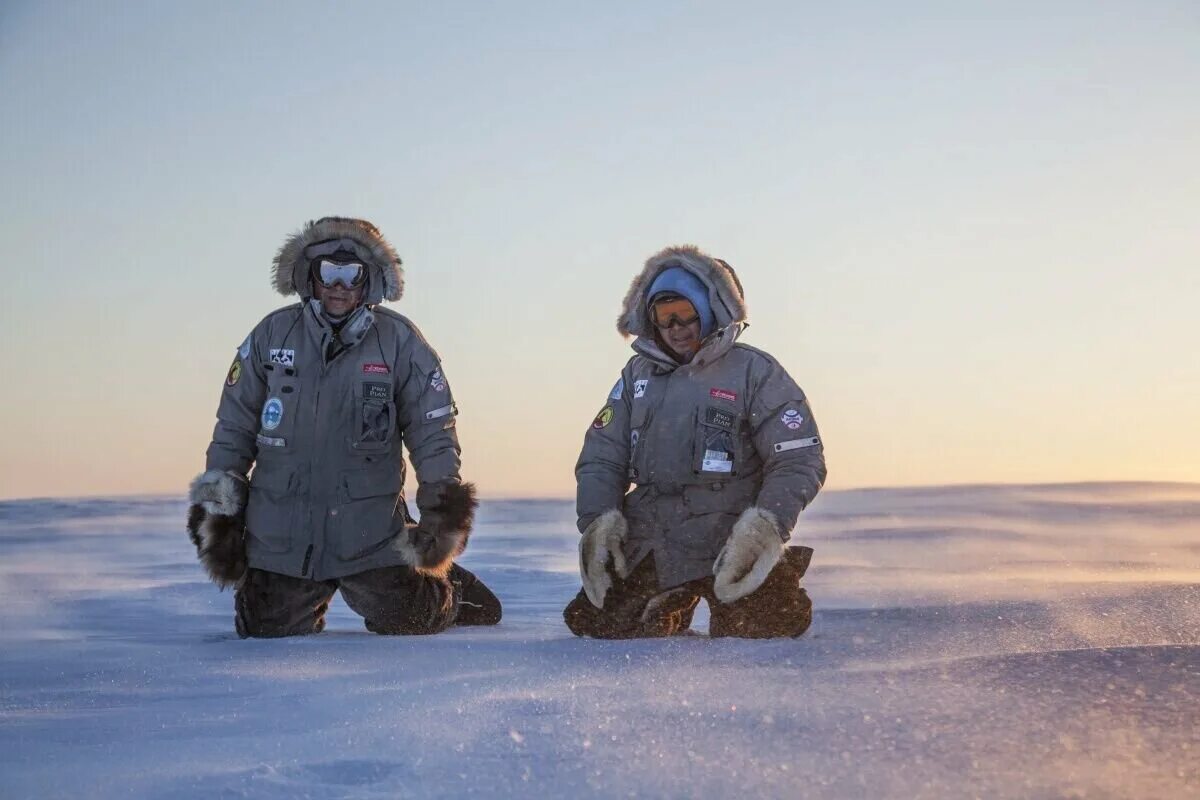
(1039, 641)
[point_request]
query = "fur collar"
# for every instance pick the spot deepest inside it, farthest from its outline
(724, 289)
(290, 269)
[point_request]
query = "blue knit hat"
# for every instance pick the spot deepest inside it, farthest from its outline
(682, 282)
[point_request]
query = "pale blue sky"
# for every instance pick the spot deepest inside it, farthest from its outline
(969, 231)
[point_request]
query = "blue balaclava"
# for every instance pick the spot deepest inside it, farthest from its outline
(682, 282)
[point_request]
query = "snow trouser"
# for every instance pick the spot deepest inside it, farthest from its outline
(635, 607)
(391, 600)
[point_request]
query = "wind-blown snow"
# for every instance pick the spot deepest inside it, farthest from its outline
(1035, 641)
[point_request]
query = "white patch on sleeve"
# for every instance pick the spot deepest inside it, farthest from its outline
(438, 413)
(796, 444)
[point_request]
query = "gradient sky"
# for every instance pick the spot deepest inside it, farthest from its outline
(969, 231)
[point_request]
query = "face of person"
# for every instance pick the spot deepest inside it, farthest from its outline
(678, 325)
(337, 300)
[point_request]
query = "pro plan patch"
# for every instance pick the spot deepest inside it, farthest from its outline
(437, 381)
(792, 419)
(376, 369)
(377, 391)
(718, 417)
(723, 394)
(285, 357)
(603, 418)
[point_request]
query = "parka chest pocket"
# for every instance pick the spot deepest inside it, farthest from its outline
(717, 449)
(277, 419)
(374, 409)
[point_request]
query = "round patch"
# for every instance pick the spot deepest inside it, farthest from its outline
(437, 381)
(792, 419)
(603, 418)
(235, 373)
(272, 414)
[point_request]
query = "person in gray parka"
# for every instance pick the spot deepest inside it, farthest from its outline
(723, 453)
(320, 400)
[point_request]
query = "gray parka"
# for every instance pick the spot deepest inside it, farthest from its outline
(324, 435)
(699, 442)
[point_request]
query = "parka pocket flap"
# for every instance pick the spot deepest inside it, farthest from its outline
(720, 498)
(372, 484)
(277, 481)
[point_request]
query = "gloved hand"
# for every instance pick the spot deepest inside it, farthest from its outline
(749, 555)
(447, 514)
(216, 524)
(601, 542)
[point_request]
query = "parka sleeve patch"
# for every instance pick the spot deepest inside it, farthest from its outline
(618, 389)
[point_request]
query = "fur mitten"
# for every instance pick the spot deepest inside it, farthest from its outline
(749, 555)
(216, 524)
(601, 542)
(447, 514)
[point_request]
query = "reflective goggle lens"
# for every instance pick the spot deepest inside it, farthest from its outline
(331, 273)
(666, 313)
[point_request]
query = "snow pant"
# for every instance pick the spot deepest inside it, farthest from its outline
(635, 607)
(391, 600)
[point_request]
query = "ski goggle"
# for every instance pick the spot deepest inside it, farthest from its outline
(672, 311)
(330, 273)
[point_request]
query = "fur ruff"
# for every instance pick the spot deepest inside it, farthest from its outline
(220, 544)
(724, 289)
(601, 543)
(290, 269)
(752, 551)
(442, 534)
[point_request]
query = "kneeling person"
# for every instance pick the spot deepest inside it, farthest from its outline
(723, 454)
(320, 399)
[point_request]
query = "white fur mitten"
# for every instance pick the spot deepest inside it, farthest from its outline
(601, 541)
(219, 492)
(749, 555)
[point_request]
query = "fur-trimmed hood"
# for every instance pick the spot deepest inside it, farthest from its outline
(724, 289)
(290, 271)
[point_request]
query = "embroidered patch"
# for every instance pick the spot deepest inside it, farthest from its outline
(377, 391)
(717, 461)
(235, 373)
(244, 350)
(272, 414)
(285, 357)
(633, 438)
(603, 418)
(639, 388)
(271, 441)
(796, 444)
(723, 394)
(792, 419)
(437, 381)
(376, 369)
(617, 390)
(722, 419)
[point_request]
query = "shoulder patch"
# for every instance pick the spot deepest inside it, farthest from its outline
(618, 389)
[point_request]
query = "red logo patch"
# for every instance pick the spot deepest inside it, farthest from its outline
(375, 369)
(723, 394)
